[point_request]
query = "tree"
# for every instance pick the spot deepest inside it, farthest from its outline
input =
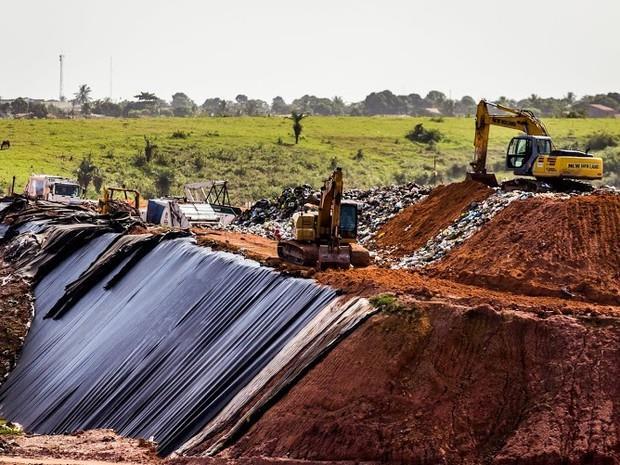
(436, 98)
(148, 101)
(85, 172)
(82, 96)
(146, 97)
(19, 105)
(256, 107)
(384, 103)
(297, 127)
(182, 105)
(214, 106)
(279, 106)
(107, 107)
(98, 180)
(39, 110)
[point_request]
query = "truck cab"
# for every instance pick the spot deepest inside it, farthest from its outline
(53, 188)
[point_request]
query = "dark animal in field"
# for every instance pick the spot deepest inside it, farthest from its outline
(6, 144)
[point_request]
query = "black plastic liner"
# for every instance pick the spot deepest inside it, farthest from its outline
(160, 353)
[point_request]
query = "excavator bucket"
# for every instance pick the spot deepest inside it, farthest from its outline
(334, 257)
(488, 179)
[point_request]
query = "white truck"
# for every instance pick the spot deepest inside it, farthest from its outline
(53, 188)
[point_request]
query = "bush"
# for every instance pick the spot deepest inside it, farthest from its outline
(180, 135)
(601, 141)
(458, 170)
(400, 178)
(139, 160)
(149, 149)
(576, 114)
(163, 182)
(424, 136)
(161, 158)
(198, 160)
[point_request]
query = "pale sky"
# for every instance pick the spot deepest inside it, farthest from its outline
(349, 48)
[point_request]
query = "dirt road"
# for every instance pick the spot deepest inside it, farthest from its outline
(48, 461)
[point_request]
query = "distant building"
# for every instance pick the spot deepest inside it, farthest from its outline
(596, 110)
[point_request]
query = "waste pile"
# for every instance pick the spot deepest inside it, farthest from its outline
(556, 245)
(271, 218)
(380, 204)
(458, 232)
(420, 222)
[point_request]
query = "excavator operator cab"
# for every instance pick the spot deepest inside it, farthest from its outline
(523, 151)
(348, 221)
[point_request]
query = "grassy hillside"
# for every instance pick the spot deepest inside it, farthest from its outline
(257, 155)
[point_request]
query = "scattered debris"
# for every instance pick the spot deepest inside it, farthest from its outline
(458, 232)
(271, 218)
(544, 244)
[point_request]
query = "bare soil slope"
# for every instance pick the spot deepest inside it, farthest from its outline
(446, 384)
(415, 225)
(86, 447)
(544, 246)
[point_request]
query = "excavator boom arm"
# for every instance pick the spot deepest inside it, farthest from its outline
(329, 208)
(520, 120)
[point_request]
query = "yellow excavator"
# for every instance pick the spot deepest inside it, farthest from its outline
(532, 154)
(327, 236)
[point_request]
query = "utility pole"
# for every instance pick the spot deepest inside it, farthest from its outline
(61, 96)
(110, 78)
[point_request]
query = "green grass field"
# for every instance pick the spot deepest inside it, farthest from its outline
(257, 155)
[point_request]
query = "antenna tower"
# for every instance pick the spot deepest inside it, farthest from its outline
(61, 96)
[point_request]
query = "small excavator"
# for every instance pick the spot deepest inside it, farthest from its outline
(129, 200)
(326, 237)
(532, 154)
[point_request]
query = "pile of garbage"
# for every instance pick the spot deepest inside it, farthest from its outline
(272, 218)
(478, 214)
(282, 208)
(380, 204)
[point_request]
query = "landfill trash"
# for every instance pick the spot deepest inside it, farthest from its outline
(272, 218)
(462, 229)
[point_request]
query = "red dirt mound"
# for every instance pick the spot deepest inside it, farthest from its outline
(416, 224)
(84, 446)
(544, 246)
(445, 384)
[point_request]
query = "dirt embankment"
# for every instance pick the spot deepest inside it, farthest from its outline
(446, 384)
(414, 226)
(545, 246)
(92, 446)
(371, 281)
